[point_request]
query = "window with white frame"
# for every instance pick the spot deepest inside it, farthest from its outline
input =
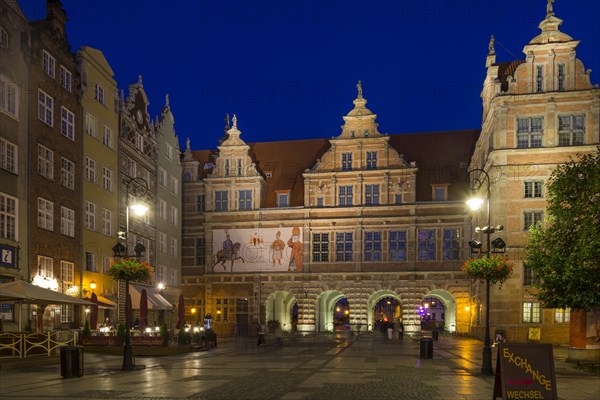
(107, 222)
(372, 246)
(162, 242)
(162, 177)
(529, 132)
(45, 161)
(162, 209)
(531, 218)
(173, 252)
(48, 64)
(397, 245)
(9, 96)
(245, 200)
(371, 160)
(3, 37)
(451, 244)
(533, 189)
(107, 136)
(343, 246)
(66, 78)
(45, 267)
(531, 312)
(562, 315)
(90, 262)
(67, 272)
(107, 179)
(174, 185)
(221, 200)
(283, 199)
(67, 123)
(8, 156)
(320, 247)
(139, 142)
(67, 221)
(346, 161)
(345, 195)
(131, 167)
(8, 216)
(90, 125)
(90, 169)
(169, 153)
(372, 195)
(571, 130)
(90, 215)
(174, 213)
(173, 277)
(67, 173)
(426, 245)
(106, 262)
(99, 93)
(45, 108)
(161, 274)
(45, 214)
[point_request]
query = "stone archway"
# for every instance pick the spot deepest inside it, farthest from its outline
(449, 303)
(373, 300)
(324, 309)
(278, 307)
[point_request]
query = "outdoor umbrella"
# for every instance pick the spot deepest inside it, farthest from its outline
(180, 312)
(129, 312)
(143, 309)
(94, 312)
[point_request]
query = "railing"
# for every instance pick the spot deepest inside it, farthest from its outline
(23, 345)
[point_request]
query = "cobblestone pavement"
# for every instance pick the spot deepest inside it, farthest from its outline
(304, 368)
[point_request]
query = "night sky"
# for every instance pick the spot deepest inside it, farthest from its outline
(288, 69)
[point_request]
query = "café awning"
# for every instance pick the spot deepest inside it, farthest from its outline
(156, 301)
(27, 293)
(103, 302)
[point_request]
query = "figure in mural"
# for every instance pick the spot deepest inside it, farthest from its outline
(297, 248)
(229, 252)
(277, 248)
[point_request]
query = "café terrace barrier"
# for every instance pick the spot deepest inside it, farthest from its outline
(23, 345)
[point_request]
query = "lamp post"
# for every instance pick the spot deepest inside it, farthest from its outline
(138, 187)
(474, 204)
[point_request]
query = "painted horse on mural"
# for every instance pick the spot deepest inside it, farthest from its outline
(233, 255)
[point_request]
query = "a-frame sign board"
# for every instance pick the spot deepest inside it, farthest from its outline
(525, 371)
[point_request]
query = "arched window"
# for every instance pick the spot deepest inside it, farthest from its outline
(187, 177)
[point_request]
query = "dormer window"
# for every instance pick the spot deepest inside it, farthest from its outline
(268, 174)
(283, 199)
(539, 80)
(346, 161)
(440, 192)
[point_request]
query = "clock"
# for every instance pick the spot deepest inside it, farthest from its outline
(140, 117)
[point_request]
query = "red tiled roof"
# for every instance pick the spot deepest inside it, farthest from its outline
(506, 69)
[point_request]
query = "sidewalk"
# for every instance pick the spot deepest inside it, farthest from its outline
(304, 368)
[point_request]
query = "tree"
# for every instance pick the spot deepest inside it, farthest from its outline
(565, 255)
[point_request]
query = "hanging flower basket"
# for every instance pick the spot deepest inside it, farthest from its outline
(130, 269)
(493, 267)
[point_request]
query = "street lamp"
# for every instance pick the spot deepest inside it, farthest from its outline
(476, 247)
(138, 187)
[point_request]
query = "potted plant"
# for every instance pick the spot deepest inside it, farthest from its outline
(493, 267)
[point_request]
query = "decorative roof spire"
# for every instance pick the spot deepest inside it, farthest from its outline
(187, 145)
(233, 135)
(491, 48)
(549, 9)
(359, 87)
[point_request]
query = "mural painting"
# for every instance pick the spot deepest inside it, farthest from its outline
(261, 249)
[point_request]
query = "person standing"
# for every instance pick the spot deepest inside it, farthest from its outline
(401, 331)
(277, 248)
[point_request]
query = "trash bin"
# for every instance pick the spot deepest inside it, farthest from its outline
(435, 334)
(71, 361)
(426, 348)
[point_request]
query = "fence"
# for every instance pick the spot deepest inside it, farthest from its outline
(23, 345)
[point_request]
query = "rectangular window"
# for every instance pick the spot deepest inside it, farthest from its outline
(529, 132)
(99, 93)
(9, 96)
(319, 202)
(162, 177)
(67, 272)
(107, 222)
(45, 267)
(67, 123)
(343, 246)
(65, 78)
(226, 167)
(173, 282)
(539, 79)
(67, 173)
(372, 195)
(346, 161)
(561, 77)
(90, 125)
(90, 169)
(45, 108)
(45, 162)
(90, 216)
(571, 130)
(371, 160)
(90, 262)
(139, 142)
(161, 274)
(67, 221)
(106, 262)
(531, 218)
(397, 245)
(174, 185)
(221, 200)
(283, 199)
(529, 278)
(439, 193)
(162, 242)
(200, 203)
(200, 251)
(8, 156)
(398, 198)
(45, 214)
(531, 312)
(162, 209)
(8, 217)
(245, 200)
(173, 247)
(48, 64)
(372, 246)
(174, 215)
(426, 245)
(169, 152)
(562, 315)
(107, 179)
(3, 38)
(345, 196)
(451, 244)
(131, 168)
(533, 189)
(107, 136)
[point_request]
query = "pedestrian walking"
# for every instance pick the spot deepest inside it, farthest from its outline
(401, 331)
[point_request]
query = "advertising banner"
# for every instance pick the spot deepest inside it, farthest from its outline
(261, 249)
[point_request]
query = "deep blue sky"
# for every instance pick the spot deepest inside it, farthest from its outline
(288, 69)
